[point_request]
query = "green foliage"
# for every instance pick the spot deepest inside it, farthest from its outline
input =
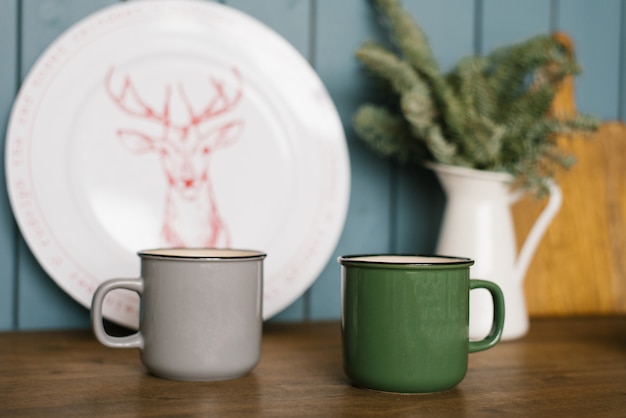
(488, 113)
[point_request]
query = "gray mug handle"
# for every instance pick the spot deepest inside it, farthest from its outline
(131, 341)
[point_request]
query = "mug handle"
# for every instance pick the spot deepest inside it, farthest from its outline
(498, 315)
(131, 341)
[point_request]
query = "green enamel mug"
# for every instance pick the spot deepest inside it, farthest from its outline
(405, 321)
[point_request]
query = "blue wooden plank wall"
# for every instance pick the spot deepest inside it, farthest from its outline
(392, 208)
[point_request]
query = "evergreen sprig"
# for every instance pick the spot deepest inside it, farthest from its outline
(488, 113)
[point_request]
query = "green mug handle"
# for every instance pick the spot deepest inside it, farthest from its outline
(498, 315)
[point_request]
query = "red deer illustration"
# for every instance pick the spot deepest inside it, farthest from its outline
(191, 217)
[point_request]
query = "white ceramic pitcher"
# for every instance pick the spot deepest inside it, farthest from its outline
(478, 224)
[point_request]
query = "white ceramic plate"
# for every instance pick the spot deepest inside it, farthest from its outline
(175, 123)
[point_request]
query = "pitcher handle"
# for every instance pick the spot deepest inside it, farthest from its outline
(539, 228)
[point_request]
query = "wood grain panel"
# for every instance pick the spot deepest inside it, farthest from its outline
(291, 19)
(419, 199)
(341, 27)
(42, 304)
(8, 88)
(579, 267)
(595, 28)
(391, 209)
(510, 21)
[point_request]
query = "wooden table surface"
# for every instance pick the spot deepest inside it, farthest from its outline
(563, 367)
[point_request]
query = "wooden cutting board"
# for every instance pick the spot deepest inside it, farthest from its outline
(580, 265)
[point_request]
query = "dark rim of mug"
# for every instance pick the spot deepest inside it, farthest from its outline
(169, 253)
(446, 260)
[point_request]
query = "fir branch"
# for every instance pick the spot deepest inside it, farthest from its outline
(489, 113)
(413, 43)
(419, 112)
(388, 66)
(409, 37)
(487, 140)
(470, 83)
(581, 124)
(533, 104)
(514, 67)
(386, 133)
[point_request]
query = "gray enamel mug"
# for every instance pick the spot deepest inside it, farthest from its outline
(200, 312)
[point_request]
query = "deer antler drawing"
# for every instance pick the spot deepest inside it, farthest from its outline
(191, 216)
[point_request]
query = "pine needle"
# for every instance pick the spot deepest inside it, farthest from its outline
(489, 113)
